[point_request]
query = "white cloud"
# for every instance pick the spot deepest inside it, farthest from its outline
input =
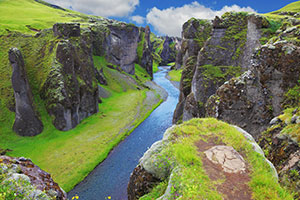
(105, 8)
(169, 21)
(138, 19)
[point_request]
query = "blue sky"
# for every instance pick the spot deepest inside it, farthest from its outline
(165, 17)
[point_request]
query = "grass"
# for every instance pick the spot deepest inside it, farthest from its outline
(17, 15)
(175, 75)
(191, 181)
(70, 156)
(292, 7)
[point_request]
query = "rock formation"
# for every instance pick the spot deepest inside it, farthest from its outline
(256, 97)
(144, 50)
(71, 91)
(225, 55)
(203, 148)
(195, 33)
(27, 180)
(165, 49)
(27, 122)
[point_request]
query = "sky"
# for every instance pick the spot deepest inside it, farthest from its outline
(166, 17)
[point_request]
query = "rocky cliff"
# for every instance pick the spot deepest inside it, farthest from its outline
(67, 80)
(165, 49)
(21, 179)
(225, 54)
(205, 159)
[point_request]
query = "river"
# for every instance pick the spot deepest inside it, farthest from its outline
(110, 178)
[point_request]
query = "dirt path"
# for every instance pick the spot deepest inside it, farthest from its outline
(233, 186)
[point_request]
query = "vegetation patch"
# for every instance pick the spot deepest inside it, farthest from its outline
(175, 75)
(217, 73)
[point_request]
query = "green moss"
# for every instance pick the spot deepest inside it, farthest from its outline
(191, 181)
(175, 75)
(141, 45)
(156, 191)
(216, 73)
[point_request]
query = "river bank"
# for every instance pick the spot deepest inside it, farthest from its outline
(110, 178)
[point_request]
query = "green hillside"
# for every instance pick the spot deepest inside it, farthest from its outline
(292, 7)
(29, 15)
(68, 156)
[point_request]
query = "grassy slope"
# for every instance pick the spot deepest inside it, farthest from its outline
(70, 156)
(16, 14)
(67, 156)
(292, 7)
(192, 181)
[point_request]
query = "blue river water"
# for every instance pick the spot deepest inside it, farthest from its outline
(110, 178)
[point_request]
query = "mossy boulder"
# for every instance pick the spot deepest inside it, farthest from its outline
(281, 145)
(21, 179)
(185, 165)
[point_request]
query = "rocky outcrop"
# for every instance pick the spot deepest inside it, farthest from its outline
(71, 91)
(27, 122)
(282, 148)
(195, 33)
(224, 55)
(171, 46)
(144, 50)
(66, 30)
(256, 97)
(199, 148)
(27, 181)
(121, 46)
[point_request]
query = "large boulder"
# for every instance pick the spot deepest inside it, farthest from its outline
(27, 181)
(27, 122)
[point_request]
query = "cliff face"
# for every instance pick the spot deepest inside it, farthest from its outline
(165, 49)
(70, 90)
(67, 78)
(223, 56)
(256, 97)
(144, 50)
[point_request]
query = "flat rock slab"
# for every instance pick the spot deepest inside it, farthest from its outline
(230, 160)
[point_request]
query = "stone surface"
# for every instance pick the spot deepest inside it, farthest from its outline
(146, 61)
(195, 33)
(256, 97)
(224, 55)
(27, 122)
(70, 90)
(66, 30)
(284, 153)
(121, 46)
(38, 184)
(230, 160)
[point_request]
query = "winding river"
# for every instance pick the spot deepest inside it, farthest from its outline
(110, 178)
